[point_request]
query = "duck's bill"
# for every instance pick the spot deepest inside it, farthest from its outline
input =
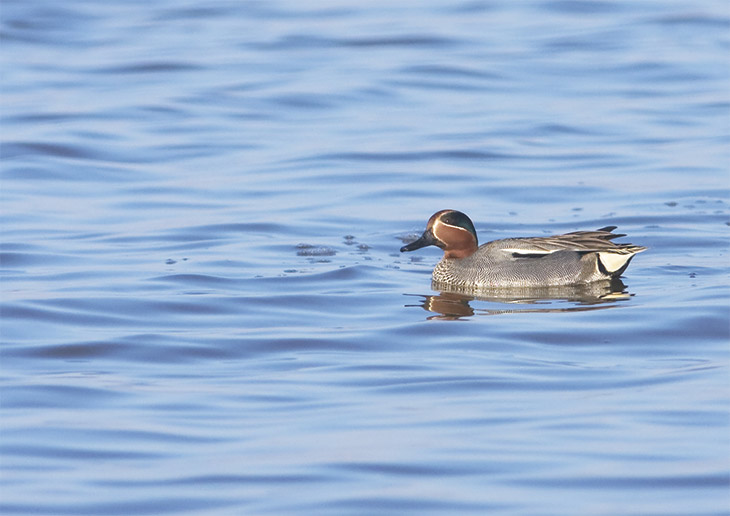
(426, 239)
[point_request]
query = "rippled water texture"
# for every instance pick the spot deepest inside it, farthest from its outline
(204, 310)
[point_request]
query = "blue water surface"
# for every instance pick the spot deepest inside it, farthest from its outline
(204, 310)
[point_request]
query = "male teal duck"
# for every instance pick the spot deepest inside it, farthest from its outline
(570, 259)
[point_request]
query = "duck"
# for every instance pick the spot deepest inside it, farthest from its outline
(576, 258)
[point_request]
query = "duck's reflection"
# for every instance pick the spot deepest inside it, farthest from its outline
(453, 303)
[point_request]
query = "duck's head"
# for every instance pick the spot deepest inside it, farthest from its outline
(450, 230)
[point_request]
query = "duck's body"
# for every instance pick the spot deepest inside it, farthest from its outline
(570, 259)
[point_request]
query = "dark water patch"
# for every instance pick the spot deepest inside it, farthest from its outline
(75, 351)
(656, 77)
(46, 25)
(253, 479)
(297, 345)
(682, 329)
(444, 383)
(295, 15)
(650, 66)
(416, 470)
(211, 481)
(121, 507)
(122, 311)
(672, 334)
(152, 350)
(298, 42)
(149, 67)
(450, 71)
(195, 13)
(69, 282)
(10, 259)
(301, 307)
(592, 43)
(168, 117)
(556, 129)
(76, 153)
(582, 7)
(50, 395)
(488, 384)
(635, 482)
(440, 84)
(51, 117)
(157, 190)
(400, 40)
(191, 307)
(448, 155)
(59, 315)
(471, 7)
(430, 504)
(78, 453)
(44, 18)
(417, 332)
(305, 101)
(697, 19)
(32, 173)
(129, 437)
(689, 418)
(196, 280)
(12, 150)
(379, 369)
(13, 247)
(588, 159)
(83, 236)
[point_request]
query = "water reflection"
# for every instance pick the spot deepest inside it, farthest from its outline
(454, 303)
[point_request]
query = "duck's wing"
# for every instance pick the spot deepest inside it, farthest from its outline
(612, 258)
(578, 241)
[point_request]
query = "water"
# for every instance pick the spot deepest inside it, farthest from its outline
(204, 310)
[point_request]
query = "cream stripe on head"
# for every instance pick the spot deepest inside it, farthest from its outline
(438, 223)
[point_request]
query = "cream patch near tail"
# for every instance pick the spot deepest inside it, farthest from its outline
(614, 263)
